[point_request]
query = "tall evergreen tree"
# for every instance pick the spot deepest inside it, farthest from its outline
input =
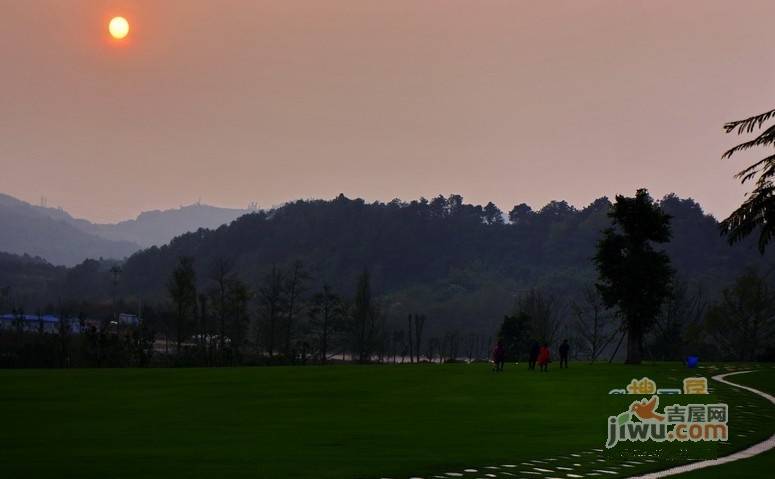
(633, 276)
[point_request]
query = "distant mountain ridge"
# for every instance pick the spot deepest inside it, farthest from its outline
(59, 238)
(158, 227)
(53, 235)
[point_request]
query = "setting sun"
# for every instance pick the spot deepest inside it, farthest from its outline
(118, 28)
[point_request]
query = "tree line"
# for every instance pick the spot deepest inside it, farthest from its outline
(220, 320)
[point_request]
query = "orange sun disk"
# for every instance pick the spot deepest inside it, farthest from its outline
(118, 28)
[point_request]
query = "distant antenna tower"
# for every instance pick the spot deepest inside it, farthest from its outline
(43, 202)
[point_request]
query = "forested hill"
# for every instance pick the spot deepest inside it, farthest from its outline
(442, 255)
(402, 244)
(424, 243)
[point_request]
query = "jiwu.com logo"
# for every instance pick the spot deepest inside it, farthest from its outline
(692, 422)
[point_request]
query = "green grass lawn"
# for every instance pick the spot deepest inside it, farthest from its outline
(329, 422)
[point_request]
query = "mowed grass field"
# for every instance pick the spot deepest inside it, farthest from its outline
(330, 422)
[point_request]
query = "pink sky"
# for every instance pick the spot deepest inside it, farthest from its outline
(268, 101)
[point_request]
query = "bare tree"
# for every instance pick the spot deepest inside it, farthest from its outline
(182, 290)
(411, 340)
(220, 272)
(366, 317)
(471, 342)
(743, 321)
(398, 342)
(238, 298)
(430, 350)
(271, 302)
(294, 287)
(419, 324)
(204, 330)
(593, 324)
(451, 346)
(326, 313)
(360, 315)
(678, 327)
(544, 313)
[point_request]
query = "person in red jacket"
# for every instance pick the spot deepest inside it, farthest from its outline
(544, 358)
(498, 356)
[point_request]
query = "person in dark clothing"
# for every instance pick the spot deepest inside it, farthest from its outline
(534, 350)
(498, 356)
(564, 349)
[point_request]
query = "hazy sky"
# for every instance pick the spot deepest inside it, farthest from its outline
(267, 101)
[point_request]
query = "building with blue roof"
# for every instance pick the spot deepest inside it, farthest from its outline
(48, 323)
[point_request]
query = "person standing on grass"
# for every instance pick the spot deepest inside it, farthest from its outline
(534, 350)
(544, 358)
(498, 356)
(564, 349)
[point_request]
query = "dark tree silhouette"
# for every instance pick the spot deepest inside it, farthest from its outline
(411, 340)
(514, 335)
(5, 295)
(633, 276)
(593, 324)
(294, 288)
(361, 313)
(364, 318)
(743, 320)
(521, 214)
(419, 324)
(182, 290)
(204, 329)
(220, 272)
(758, 210)
(493, 215)
(271, 303)
(326, 312)
(238, 296)
(678, 331)
(542, 312)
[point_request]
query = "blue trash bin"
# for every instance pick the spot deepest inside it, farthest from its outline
(692, 361)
